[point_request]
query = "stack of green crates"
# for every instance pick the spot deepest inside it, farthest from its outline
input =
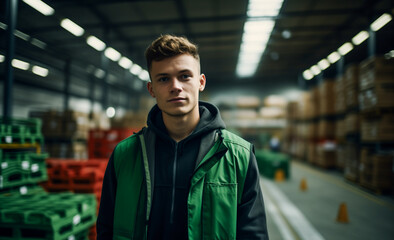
(46, 216)
(26, 210)
(270, 162)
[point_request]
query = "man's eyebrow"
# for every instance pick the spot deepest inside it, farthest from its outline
(161, 74)
(185, 70)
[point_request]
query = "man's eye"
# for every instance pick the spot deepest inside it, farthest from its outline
(185, 76)
(162, 79)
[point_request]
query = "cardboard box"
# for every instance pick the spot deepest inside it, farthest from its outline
(352, 162)
(326, 129)
(352, 123)
(326, 154)
(340, 127)
(341, 156)
(376, 170)
(378, 128)
(376, 70)
(327, 98)
(340, 100)
(380, 96)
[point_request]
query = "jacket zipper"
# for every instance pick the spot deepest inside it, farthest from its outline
(173, 184)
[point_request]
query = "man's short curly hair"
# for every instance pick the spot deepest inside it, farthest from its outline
(167, 46)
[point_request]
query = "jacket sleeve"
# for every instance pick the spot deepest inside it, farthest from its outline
(107, 203)
(251, 221)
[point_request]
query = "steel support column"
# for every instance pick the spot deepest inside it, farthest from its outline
(11, 17)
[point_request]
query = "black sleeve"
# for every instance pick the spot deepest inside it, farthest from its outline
(251, 222)
(107, 203)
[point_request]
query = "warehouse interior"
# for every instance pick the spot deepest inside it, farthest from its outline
(308, 82)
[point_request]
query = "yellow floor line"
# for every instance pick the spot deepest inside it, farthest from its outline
(344, 185)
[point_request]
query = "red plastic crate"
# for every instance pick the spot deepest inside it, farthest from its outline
(101, 143)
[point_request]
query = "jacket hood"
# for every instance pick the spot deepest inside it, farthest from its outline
(210, 120)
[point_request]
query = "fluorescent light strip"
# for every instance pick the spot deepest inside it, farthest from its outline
(380, 22)
(95, 43)
(112, 54)
(99, 73)
(333, 57)
(323, 64)
(135, 69)
(1, 58)
(315, 70)
(256, 35)
(345, 48)
(307, 74)
(20, 64)
(43, 72)
(38, 43)
(144, 75)
(3, 26)
(125, 63)
(40, 6)
(72, 27)
(21, 35)
(360, 37)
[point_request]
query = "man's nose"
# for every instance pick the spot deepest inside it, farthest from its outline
(176, 85)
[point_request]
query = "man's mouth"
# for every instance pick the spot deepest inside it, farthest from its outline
(177, 99)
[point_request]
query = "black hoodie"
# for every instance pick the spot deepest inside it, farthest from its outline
(173, 167)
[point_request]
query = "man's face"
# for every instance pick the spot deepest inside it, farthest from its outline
(176, 83)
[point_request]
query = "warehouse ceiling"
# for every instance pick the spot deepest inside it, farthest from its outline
(305, 32)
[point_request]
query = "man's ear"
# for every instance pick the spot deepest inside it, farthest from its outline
(150, 89)
(203, 81)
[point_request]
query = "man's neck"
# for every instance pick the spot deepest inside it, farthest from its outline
(180, 127)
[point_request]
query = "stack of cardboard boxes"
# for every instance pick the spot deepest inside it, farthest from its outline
(377, 123)
(66, 133)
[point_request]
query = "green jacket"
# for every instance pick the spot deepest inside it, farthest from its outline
(215, 192)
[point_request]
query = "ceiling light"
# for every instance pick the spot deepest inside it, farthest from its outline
(3, 26)
(345, 48)
(286, 34)
(323, 64)
(315, 70)
(110, 112)
(1, 58)
(95, 43)
(38, 43)
(307, 74)
(21, 35)
(72, 27)
(125, 63)
(112, 54)
(360, 37)
(43, 72)
(333, 57)
(256, 35)
(40, 6)
(144, 75)
(381, 21)
(135, 69)
(264, 8)
(20, 64)
(99, 73)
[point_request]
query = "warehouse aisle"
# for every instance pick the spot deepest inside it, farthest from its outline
(311, 214)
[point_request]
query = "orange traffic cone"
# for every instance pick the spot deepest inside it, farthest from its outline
(303, 185)
(342, 214)
(279, 175)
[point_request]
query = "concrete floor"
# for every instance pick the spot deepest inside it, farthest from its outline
(312, 214)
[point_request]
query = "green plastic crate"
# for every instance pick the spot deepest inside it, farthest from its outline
(46, 216)
(20, 168)
(270, 162)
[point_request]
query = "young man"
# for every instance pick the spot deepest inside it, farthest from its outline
(184, 176)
